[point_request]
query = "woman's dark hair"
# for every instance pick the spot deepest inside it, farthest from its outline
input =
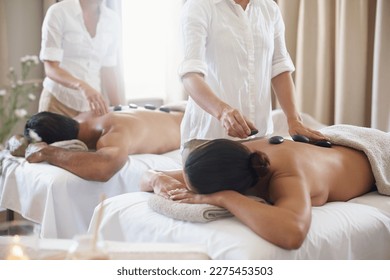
(51, 127)
(223, 164)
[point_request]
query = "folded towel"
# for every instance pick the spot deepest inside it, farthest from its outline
(200, 213)
(373, 142)
(73, 145)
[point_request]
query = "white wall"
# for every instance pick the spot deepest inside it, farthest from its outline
(24, 20)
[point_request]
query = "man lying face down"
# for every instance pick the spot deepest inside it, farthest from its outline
(112, 137)
(292, 177)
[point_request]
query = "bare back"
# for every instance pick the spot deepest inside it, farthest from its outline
(329, 174)
(140, 131)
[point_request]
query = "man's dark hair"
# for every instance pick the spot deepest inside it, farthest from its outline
(223, 164)
(51, 127)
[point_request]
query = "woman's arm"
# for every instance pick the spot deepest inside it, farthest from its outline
(283, 86)
(285, 223)
(161, 182)
(63, 77)
(235, 124)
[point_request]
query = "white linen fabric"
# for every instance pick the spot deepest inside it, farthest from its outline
(359, 229)
(62, 202)
(238, 52)
(65, 39)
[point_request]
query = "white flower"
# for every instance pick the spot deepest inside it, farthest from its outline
(17, 92)
(34, 136)
(29, 59)
(32, 96)
(20, 113)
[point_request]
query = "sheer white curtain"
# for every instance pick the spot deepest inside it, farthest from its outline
(151, 49)
(340, 49)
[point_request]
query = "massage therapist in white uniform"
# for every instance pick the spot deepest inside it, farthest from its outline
(79, 46)
(234, 52)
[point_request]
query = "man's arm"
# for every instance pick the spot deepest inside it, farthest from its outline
(101, 165)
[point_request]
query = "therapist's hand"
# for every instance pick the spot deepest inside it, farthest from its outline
(296, 127)
(235, 124)
(96, 101)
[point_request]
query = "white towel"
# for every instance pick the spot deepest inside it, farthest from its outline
(200, 213)
(373, 142)
(73, 145)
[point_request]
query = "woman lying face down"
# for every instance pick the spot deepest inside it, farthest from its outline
(291, 177)
(223, 165)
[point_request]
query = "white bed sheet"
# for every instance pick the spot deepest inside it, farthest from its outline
(359, 229)
(62, 202)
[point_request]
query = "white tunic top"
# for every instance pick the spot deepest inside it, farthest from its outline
(239, 52)
(66, 39)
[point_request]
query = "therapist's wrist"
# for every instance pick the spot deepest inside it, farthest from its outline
(222, 110)
(81, 86)
(294, 119)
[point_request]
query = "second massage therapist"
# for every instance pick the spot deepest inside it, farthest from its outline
(79, 45)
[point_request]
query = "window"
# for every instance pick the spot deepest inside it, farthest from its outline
(151, 49)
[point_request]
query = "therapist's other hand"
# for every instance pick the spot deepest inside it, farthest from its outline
(235, 124)
(296, 127)
(96, 101)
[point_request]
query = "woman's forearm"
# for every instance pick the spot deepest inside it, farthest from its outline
(203, 95)
(63, 77)
(284, 89)
(277, 225)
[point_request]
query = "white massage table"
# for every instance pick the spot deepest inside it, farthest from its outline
(62, 202)
(358, 229)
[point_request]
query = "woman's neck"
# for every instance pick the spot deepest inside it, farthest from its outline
(242, 3)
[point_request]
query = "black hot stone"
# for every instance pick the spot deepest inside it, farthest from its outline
(323, 143)
(253, 132)
(276, 140)
(300, 138)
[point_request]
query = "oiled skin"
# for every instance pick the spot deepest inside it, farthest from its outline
(114, 136)
(300, 176)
